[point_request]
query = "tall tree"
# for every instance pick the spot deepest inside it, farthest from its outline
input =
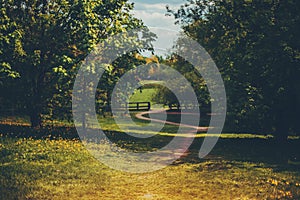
(255, 45)
(44, 40)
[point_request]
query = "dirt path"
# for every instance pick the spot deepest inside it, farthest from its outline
(140, 116)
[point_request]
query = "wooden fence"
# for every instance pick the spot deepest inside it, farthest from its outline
(139, 106)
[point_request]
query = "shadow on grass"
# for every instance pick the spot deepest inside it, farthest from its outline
(227, 153)
(16, 174)
(23, 131)
(252, 150)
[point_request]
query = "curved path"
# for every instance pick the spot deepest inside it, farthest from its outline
(140, 116)
(198, 128)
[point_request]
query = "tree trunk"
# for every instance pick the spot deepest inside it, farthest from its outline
(35, 102)
(281, 136)
(34, 112)
(35, 119)
(282, 127)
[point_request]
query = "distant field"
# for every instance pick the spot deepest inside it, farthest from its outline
(145, 95)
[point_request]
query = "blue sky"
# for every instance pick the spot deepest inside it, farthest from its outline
(153, 15)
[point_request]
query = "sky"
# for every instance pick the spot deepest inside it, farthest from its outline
(153, 14)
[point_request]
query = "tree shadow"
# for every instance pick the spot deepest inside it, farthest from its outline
(50, 132)
(261, 151)
(255, 150)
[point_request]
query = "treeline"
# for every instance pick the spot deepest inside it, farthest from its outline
(256, 46)
(43, 43)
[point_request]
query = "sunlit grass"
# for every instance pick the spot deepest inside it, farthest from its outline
(145, 95)
(241, 166)
(63, 169)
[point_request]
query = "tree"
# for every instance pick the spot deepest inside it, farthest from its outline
(255, 45)
(45, 40)
(188, 71)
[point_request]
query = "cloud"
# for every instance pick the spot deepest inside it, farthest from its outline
(171, 2)
(156, 19)
(151, 7)
(158, 7)
(153, 15)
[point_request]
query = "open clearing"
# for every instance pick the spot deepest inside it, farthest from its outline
(59, 167)
(53, 164)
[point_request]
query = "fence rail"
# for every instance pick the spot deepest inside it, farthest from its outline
(139, 106)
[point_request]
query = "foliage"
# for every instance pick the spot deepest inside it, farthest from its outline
(44, 41)
(189, 73)
(255, 44)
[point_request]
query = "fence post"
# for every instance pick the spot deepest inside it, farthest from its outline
(148, 105)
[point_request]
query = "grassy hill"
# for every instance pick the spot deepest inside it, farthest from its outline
(145, 95)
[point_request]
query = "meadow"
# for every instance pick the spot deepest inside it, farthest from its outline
(52, 163)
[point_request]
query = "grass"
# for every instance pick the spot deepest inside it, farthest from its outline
(145, 95)
(52, 163)
(63, 169)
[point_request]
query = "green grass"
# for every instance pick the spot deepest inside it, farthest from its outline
(144, 96)
(53, 164)
(63, 169)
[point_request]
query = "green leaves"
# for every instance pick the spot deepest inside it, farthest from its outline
(6, 70)
(61, 70)
(44, 42)
(255, 45)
